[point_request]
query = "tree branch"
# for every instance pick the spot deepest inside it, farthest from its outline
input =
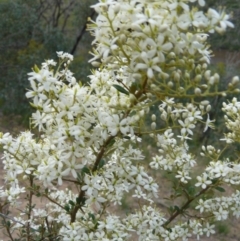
(79, 37)
(82, 193)
(185, 206)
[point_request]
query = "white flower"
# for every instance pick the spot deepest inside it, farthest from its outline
(187, 125)
(202, 205)
(209, 124)
(91, 186)
(150, 64)
(209, 229)
(63, 55)
(221, 214)
(203, 181)
(183, 176)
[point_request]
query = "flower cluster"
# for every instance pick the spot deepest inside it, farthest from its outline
(164, 41)
(153, 56)
(232, 119)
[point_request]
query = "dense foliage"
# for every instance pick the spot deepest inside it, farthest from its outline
(90, 134)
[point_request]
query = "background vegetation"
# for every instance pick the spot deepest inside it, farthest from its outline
(231, 40)
(31, 31)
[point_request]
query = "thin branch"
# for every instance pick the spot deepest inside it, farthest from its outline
(58, 14)
(70, 180)
(79, 37)
(184, 207)
(29, 211)
(82, 193)
(9, 233)
(15, 221)
(53, 201)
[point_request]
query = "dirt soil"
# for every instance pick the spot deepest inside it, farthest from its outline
(227, 231)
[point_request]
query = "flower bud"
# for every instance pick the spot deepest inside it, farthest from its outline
(136, 118)
(169, 109)
(216, 78)
(235, 80)
(116, 8)
(153, 117)
(208, 108)
(207, 74)
(181, 89)
(204, 66)
(181, 62)
(198, 78)
(205, 102)
(197, 91)
(211, 80)
(198, 69)
(172, 55)
(95, 64)
(164, 75)
(187, 75)
(164, 116)
(141, 113)
(204, 87)
(153, 125)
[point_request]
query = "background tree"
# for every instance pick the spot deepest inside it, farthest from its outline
(31, 31)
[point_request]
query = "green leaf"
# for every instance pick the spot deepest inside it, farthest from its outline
(79, 176)
(101, 164)
(86, 170)
(92, 216)
(134, 87)
(67, 207)
(78, 201)
(220, 189)
(35, 68)
(176, 208)
(121, 89)
(38, 194)
(214, 180)
(8, 223)
(82, 201)
(71, 202)
(111, 143)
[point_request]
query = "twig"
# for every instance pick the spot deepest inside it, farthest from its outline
(180, 210)
(79, 37)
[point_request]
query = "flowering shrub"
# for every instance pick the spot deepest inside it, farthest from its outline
(148, 53)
